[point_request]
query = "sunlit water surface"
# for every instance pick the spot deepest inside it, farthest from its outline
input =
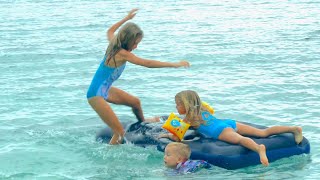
(253, 61)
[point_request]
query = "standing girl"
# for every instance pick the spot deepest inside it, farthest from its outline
(188, 103)
(101, 92)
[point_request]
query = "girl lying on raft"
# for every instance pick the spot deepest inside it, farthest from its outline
(188, 103)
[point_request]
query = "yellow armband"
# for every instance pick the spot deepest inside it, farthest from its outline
(176, 126)
(206, 106)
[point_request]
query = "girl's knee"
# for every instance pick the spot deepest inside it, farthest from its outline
(242, 139)
(264, 133)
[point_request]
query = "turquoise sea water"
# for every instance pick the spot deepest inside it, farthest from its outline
(252, 61)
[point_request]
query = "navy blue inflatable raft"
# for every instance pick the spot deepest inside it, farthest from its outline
(216, 152)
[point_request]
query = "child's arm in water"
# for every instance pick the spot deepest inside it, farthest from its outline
(169, 136)
(113, 28)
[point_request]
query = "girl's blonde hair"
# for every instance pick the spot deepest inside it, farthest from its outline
(192, 103)
(127, 36)
(181, 149)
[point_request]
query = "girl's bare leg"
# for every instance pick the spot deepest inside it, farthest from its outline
(247, 130)
(105, 112)
(118, 96)
(230, 136)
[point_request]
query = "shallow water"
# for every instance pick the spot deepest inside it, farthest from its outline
(253, 61)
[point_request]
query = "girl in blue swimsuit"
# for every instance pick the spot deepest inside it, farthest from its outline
(101, 92)
(188, 103)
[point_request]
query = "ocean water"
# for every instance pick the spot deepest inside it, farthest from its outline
(254, 61)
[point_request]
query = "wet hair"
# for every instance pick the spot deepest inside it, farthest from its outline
(192, 103)
(181, 149)
(126, 38)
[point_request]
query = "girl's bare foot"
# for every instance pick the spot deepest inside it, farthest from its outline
(263, 156)
(298, 134)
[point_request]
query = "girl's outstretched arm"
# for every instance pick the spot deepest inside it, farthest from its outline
(128, 56)
(113, 28)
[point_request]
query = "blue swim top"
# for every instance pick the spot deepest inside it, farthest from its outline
(213, 127)
(103, 79)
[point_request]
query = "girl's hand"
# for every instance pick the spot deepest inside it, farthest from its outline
(131, 14)
(164, 136)
(169, 136)
(153, 119)
(183, 64)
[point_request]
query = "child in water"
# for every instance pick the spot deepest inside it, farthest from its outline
(119, 51)
(188, 103)
(176, 156)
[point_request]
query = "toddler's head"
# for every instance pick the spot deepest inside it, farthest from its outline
(176, 153)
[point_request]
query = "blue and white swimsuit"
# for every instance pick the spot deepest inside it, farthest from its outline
(103, 79)
(214, 127)
(190, 166)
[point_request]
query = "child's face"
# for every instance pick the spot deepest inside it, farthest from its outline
(135, 45)
(180, 107)
(171, 158)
